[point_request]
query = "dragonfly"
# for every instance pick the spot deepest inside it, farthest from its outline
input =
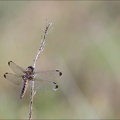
(24, 76)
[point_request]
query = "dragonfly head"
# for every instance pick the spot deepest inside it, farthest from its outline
(30, 69)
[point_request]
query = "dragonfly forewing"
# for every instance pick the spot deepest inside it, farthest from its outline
(50, 75)
(13, 78)
(15, 68)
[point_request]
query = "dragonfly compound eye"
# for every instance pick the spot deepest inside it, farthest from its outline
(30, 68)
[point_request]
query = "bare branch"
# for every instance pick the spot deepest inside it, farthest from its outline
(41, 48)
(31, 100)
(42, 45)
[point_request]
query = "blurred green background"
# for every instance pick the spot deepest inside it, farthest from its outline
(83, 42)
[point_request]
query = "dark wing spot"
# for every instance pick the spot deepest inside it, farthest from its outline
(5, 75)
(56, 87)
(54, 82)
(9, 63)
(57, 70)
(60, 73)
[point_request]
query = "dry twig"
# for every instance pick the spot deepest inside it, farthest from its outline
(41, 48)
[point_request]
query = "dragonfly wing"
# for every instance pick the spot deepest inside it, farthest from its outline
(46, 79)
(50, 75)
(17, 69)
(13, 78)
(45, 85)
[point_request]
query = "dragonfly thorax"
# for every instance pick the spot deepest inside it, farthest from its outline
(29, 73)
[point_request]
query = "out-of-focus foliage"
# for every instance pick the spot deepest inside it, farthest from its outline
(83, 43)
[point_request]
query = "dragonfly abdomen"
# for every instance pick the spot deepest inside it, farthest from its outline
(24, 88)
